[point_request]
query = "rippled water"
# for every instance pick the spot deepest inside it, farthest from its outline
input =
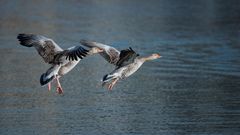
(193, 89)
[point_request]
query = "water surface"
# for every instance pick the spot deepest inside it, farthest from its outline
(192, 89)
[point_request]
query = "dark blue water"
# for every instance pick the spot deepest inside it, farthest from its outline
(193, 89)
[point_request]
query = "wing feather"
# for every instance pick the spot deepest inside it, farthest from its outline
(46, 47)
(75, 52)
(109, 53)
(127, 56)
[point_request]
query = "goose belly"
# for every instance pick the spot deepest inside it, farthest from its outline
(67, 67)
(130, 69)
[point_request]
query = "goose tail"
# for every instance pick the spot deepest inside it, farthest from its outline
(45, 79)
(51, 73)
(108, 78)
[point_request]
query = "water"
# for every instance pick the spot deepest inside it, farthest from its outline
(193, 89)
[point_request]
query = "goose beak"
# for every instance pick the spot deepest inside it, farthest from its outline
(100, 50)
(157, 55)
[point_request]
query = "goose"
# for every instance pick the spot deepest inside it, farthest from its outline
(61, 61)
(126, 61)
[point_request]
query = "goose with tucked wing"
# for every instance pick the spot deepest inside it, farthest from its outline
(126, 61)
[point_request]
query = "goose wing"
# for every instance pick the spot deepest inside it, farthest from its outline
(46, 47)
(109, 53)
(75, 52)
(126, 57)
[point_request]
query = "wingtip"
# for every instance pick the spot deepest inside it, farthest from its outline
(25, 39)
(22, 35)
(19, 36)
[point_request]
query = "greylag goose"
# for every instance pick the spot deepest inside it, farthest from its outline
(61, 61)
(126, 61)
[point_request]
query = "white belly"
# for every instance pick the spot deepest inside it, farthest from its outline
(131, 68)
(67, 67)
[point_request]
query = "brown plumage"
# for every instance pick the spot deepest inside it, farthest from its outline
(126, 57)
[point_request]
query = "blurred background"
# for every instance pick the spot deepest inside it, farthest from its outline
(193, 89)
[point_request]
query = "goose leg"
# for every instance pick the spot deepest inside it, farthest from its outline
(110, 86)
(49, 86)
(59, 87)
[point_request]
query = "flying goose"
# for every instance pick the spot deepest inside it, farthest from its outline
(126, 61)
(61, 61)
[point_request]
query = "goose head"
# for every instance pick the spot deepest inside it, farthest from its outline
(153, 56)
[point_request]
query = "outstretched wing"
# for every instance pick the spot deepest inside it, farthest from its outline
(46, 47)
(127, 56)
(109, 53)
(75, 52)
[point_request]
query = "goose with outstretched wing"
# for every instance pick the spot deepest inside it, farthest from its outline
(61, 61)
(126, 61)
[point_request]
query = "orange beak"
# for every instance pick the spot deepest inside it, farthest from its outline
(100, 50)
(158, 55)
